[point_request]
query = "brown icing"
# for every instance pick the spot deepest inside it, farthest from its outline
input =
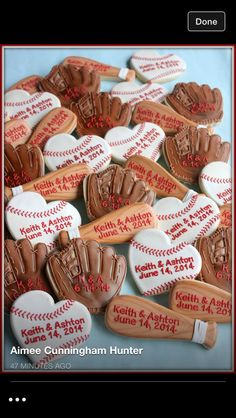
(87, 272)
(97, 113)
(216, 253)
(191, 149)
(23, 269)
(114, 188)
(69, 83)
(22, 164)
(199, 103)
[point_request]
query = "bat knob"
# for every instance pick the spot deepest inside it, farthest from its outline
(211, 335)
(205, 333)
(130, 75)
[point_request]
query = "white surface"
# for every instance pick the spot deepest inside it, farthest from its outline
(132, 93)
(215, 181)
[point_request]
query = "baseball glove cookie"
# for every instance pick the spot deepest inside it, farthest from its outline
(23, 269)
(22, 164)
(191, 149)
(200, 104)
(216, 253)
(87, 272)
(97, 113)
(112, 189)
(70, 83)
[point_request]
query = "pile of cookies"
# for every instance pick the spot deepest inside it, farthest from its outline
(179, 240)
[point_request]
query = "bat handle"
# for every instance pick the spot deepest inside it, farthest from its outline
(8, 193)
(130, 75)
(205, 333)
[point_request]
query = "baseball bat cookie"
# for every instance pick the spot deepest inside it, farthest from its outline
(216, 253)
(153, 67)
(192, 149)
(29, 216)
(136, 317)
(158, 179)
(133, 93)
(16, 132)
(170, 121)
(216, 182)
(188, 220)
(65, 184)
(202, 301)
(115, 227)
(49, 330)
(29, 84)
(63, 150)
(105, 71)
(87, 272)
(157, 264)
(57, 121)
(144, 139)
(226, 216)
(19, 104)
(198, 103)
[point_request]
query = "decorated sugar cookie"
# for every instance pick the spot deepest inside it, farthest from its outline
(106, 71)
(22, 164)
(31, 108)
(97, 113)
(133, 93)
(198, 103)
(156, 263)
(216, 182)
(64, 184)
(170, 121)
(16, 132)
(137, 317)
(112, 189)
(70, 83)
(144, 139)
(87, 272)
(24, 269)
(216, 253)
(39, 323)
(192, 149)
(59, 120)
(29, 84)
(225, 216)
(201, 300)
(29, 216)
(151, 66)
(63, 150)
(188, 220)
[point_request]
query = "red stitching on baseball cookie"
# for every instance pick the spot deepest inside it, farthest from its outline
(176, 71)
(138, 57)
(215, 179)
(180, 212)
(100, 163)
(206, 227)
(41, 317)
(71, 151)
(153, 251)
(141, 90)
(130, 139)
(25, 102)
(44, 214)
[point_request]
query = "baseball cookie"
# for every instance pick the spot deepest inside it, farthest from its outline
(216, 182)
(144, 139)
(198, 103)
(156, 263)
(87, 272)
(24, 269)
(29, 216)
(49, 329)
(133, 93)
(151, 66)
(63, 149)
(112, 189)
(97, 113)
(192, 149)
(188, 220)
(31, 108)
(22, 164)
(216, 253)
(70, 83)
